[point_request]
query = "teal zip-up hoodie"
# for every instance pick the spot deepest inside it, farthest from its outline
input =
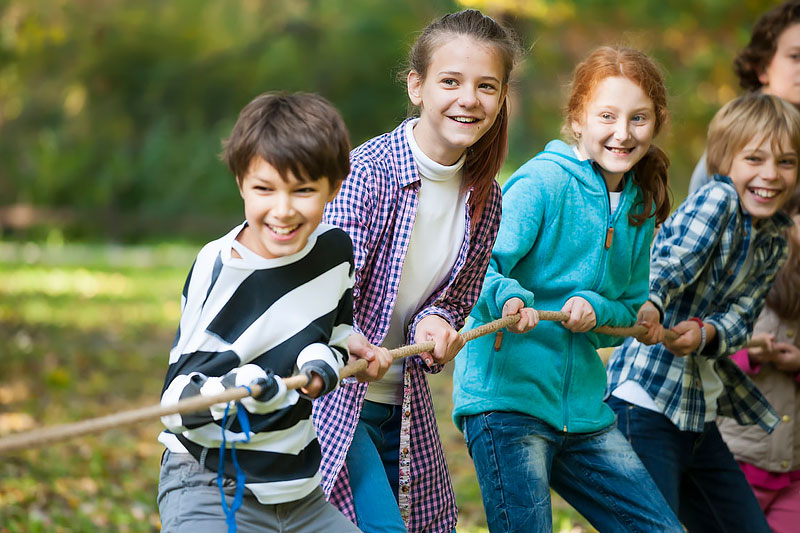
(557, 239)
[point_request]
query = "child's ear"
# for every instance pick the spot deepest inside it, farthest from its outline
(577, 128)
(239, 186)
(414, 86)
(763, 77)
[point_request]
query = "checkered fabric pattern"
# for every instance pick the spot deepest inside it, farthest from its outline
(694, 263)
(377, 207)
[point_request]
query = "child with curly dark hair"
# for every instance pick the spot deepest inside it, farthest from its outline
(770, 63)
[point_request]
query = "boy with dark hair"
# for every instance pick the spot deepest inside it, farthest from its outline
(768, 64)
(271, 298)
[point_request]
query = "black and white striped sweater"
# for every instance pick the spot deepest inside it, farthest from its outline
(240, 316)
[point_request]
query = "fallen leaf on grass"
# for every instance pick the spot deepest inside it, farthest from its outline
(14, 392)
(14, 422)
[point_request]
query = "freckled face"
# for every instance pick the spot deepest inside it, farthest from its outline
(617, 128)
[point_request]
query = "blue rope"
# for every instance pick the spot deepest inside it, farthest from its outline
(244, 422)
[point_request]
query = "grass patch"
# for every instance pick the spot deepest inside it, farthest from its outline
(87, 331)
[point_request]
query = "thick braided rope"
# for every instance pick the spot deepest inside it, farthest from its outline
(62, 432)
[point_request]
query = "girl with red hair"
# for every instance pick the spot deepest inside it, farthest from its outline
(577, 224)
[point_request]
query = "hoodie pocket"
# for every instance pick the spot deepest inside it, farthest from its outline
(496, 364)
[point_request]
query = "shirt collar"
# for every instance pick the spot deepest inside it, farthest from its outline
(777, 223)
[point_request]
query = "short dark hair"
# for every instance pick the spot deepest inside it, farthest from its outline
(754, 58)
(298, 133)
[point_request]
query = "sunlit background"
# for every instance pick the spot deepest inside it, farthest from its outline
(111, 116)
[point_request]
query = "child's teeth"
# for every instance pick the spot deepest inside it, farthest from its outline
(465, 119)
(762, 193)
(283, 231)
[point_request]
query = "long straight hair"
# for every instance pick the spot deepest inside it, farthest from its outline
(651, 171)
(486, 156)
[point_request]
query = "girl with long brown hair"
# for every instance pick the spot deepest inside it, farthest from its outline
(422, 206)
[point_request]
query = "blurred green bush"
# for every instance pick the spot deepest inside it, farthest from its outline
(112, 112)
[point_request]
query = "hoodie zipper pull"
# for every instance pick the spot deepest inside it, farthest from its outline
(609, 237)
(498, 341)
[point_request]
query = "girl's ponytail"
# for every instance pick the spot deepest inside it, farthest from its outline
(652, 176)
(483, 163)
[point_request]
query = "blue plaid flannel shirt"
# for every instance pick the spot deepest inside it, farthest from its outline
(694, 263)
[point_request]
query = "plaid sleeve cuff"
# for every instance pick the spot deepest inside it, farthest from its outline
(412, 330)
(656, 300)
(442, 312)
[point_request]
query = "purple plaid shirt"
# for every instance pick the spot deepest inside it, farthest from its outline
(377, 207)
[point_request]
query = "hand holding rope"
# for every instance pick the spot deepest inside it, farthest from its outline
(62, 432)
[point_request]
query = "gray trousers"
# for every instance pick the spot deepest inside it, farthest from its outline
(189, 502)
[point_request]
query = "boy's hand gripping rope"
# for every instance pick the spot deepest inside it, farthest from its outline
(62, 432)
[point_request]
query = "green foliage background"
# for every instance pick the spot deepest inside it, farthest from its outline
(86, 330)
(111, 116)
(112, 111)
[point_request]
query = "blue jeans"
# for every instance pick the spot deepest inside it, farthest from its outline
(695, 471)
(373, 464)
(519, 457)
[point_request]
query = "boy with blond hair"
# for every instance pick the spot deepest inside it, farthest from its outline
(711, 265)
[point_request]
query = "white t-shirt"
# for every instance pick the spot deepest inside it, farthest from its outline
(613, 200)
(436, 238)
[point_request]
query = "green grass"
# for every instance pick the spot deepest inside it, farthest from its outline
(86, 332)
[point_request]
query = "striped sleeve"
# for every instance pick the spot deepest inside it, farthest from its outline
(197, 384)
(242, 319)
(328, 359)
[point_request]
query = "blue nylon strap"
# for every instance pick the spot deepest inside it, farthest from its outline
(244, 422)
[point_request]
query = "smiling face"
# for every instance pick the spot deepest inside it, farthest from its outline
(617, 128)
(459, 97)
(781, 77)
(281, 214)
(764, 174)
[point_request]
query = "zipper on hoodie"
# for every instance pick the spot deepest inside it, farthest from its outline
(609, 233)
(609, 236)
(565, 387)
(598, 278)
